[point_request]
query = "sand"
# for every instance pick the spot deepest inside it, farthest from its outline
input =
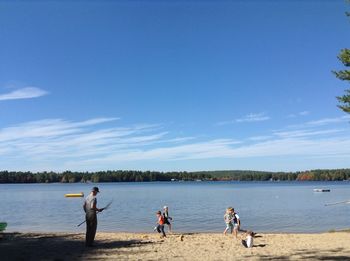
(196, 246)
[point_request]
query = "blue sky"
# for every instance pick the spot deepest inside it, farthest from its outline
(172, 85)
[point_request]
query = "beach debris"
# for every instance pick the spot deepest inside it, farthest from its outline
(181, 237)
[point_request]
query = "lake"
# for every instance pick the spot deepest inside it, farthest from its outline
(194, 206)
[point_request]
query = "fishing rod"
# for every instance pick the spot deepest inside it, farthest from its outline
(104, 208)
(337, 203)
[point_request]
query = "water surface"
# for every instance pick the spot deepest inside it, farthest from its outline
(195, 206)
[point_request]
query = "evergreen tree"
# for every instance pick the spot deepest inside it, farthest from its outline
(344, 75)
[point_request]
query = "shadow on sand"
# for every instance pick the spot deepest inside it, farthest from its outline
(32, 246)
(305, 254)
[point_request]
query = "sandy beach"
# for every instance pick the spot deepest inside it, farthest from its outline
(196, 246)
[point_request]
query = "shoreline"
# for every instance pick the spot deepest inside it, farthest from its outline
(176, 232)
(177, 246)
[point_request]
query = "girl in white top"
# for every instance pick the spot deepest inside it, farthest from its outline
(249, 239)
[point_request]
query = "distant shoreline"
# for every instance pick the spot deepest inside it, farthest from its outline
(186, 181)
(147, 176)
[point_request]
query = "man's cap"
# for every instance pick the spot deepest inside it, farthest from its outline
(95, 189)
(165, 207)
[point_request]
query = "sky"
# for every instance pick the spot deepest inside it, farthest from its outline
(172, 85)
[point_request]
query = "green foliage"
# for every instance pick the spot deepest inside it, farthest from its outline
(146, 176)
(344, 75)
(345, 100)
(344, 57)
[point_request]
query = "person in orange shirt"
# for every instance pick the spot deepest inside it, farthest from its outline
(160, 224)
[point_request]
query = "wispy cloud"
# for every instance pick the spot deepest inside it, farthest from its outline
(48, 128)
(58, 140)
(253, 117)
(24, 93)
(321, 122)
(260, 138)
(222, 123)
(326, 121)
(304, 133)
(100, 143)
(302, 113)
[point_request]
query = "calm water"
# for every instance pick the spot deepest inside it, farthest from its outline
(195, 206)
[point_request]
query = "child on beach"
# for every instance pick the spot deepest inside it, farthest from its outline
(228, 217)
(236, 222)
(160, 224)
(166, 217)
(249, 239)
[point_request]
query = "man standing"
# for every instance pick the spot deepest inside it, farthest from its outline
(91, 210)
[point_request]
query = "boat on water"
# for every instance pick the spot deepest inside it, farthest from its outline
(74, 195)
(321, 190)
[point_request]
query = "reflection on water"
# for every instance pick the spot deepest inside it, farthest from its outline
(194, 206)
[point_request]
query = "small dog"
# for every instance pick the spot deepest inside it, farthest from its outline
(248, 243)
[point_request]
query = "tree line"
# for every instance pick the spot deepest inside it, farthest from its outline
(147, 176)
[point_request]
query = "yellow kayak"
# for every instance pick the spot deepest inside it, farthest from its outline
(74, 195)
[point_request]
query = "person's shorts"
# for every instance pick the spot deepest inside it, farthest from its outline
(166, 221)
(229, 226)
(235, 226)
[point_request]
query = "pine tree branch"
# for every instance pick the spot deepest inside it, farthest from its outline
(343, 75)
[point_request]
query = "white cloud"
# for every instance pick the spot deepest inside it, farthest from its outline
(221, 123)
(24, 93)
(220, 149)
(253, 117)
(326, 121)
(47, 128)
(259, 138)
(297, 147)
(322, 122)
(304, 133)
(304, 113)
(99, 144)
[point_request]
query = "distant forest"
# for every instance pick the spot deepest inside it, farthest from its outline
(146, 176)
